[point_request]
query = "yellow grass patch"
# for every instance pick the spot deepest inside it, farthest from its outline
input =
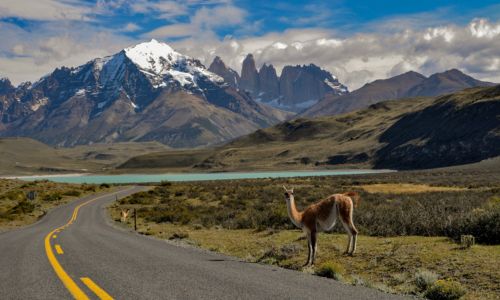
(388, 263)
(406, 188)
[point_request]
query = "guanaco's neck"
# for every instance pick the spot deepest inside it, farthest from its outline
(293, 213)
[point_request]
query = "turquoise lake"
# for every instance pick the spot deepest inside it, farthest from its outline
(144, 178)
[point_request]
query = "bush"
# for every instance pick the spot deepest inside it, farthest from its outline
(178, 236)
(72, 193)
(88, 187)
(331, 270)
(104, 186)
(275, 255)
(424, 279)
(24, 207)
(259, 204)
(445, 290)
(52, 197)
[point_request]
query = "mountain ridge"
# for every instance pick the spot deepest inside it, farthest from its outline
(106, 100)
(406, 85)
(298, 87)
(418, 133)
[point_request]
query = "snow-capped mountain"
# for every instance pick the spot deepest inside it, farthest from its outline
(144, 92)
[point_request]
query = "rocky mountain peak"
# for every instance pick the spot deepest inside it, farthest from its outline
(302, 86)
(268, 83)
(5, 85)
(249, 75)
(219, 67)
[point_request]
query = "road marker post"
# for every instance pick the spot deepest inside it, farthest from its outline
(135, 219)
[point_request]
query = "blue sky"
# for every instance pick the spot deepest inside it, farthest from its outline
(357, 40)
(269, 16)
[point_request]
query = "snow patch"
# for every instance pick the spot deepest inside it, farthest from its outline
(39, 103)
(336, 86)
(80, 92)
(160, 62)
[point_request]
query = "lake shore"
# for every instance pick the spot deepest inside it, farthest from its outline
(177, 177)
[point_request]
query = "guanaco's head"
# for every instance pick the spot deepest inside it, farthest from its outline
(288, 193)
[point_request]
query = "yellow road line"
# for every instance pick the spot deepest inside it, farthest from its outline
(59, 249)
(96, 289)
(63, 276)
(68, 282)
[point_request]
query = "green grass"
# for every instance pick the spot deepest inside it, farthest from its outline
(389, 263)
(17, 210)
(259, 204)
(407, 235)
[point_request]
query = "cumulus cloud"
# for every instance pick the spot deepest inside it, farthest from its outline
(203, 23)
(70, 35)
(44, 10)
(26, 55)
(355, 60)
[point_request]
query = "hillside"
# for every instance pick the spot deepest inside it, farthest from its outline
(25, 156)
(407, 85)
(414, 134)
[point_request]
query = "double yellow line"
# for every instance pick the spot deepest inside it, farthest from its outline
(68, 282)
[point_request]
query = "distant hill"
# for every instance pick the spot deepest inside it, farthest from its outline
(25, 156)
(418, 133)
(407, 85)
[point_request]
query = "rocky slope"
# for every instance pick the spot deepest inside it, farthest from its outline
(410, 84)
(219, 67)
(143, 93)
(297, 88)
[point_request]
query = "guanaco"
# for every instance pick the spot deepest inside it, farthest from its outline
(321, 216)
(124, 215)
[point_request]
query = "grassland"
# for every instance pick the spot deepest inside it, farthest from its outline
(410, 222)
(17, 210)
(25, 156)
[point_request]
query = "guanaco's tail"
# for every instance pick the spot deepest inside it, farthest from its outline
(355, 197)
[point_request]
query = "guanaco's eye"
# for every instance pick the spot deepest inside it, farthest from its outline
(286, 194)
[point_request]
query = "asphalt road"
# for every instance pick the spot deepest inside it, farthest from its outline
(90, 258)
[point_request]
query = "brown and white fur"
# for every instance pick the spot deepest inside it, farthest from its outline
(321, 216)
(124, 215)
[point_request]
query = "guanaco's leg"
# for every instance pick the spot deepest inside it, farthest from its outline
(354, 233)
(309, 248)
(313, 246)
(349, 237)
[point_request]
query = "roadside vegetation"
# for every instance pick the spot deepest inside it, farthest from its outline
(411, 225)
(17, 209)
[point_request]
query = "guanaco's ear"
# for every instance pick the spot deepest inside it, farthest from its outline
(285, 188)
(291, 190)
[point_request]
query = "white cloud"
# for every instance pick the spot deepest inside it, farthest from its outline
(164, 9)
(355, 60)
(131, 27)
(44, 10)
(28, 55)
(388, 48)
(203, 23)
(482, 28)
